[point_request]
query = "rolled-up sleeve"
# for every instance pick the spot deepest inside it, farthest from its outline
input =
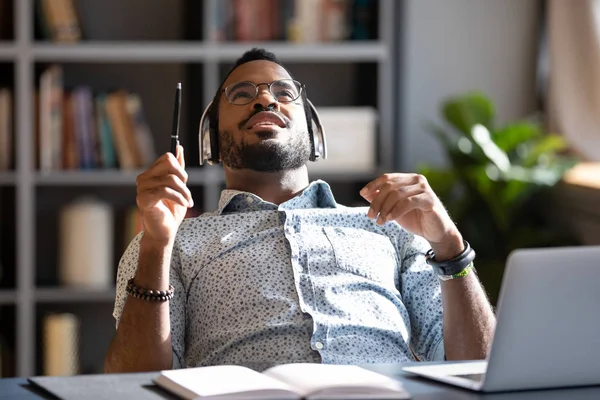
(422, 297)
(127, 268)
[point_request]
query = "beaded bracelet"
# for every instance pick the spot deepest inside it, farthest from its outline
(147, 294)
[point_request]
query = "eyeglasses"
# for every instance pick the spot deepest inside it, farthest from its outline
(283, 90)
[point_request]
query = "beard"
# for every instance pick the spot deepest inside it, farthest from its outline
(267, 155)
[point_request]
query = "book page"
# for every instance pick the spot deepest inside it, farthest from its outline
(337, 381)
(223, 381)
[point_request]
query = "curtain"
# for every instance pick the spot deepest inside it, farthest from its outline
(573, 96)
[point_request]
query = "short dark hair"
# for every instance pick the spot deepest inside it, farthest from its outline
(254, 54)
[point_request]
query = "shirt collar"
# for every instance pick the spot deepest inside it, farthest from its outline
(316, 195)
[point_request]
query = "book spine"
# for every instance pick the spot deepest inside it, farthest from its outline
(82, 97)
(6, 134)
(42, 20)
(115, 109)
(335, 18)
(46, 153)
(105, 135)
(141, 130)
(70, 142)
(66, 24)
(56, 118)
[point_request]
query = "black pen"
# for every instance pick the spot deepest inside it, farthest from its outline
(176, 114)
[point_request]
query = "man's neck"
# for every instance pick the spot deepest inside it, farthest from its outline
(274, 187)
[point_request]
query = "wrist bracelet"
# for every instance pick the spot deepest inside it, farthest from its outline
(454, 265)
(466, 271)
(147, 294)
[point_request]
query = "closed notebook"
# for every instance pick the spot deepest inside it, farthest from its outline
(288, 381)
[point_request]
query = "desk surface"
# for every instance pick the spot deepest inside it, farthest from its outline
(419, 388)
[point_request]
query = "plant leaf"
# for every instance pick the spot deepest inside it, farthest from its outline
(548, 144)
(455, 154)
(511, 136)
(542, 176)
(495, 155)
(516, 193)
(463, 112)
(489, 191)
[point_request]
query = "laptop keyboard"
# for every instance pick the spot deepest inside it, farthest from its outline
(473, 377)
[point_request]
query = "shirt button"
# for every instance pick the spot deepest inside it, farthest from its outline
(250, 199)
(318, 345)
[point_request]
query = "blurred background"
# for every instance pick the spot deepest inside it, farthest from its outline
(494, 101)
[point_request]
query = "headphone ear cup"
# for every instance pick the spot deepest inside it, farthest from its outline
(318, 135)
(208, 140)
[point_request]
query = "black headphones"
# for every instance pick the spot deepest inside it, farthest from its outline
(208, 137)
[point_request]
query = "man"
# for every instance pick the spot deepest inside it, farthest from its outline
(280, 272)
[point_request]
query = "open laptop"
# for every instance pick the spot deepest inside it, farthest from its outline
(548, 326)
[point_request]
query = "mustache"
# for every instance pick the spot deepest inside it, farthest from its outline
(285, 119)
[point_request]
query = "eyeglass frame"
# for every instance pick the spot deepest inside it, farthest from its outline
(257, 85)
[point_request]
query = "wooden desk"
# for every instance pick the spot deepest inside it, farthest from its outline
(420, 389)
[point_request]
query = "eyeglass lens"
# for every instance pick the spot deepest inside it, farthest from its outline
(284, 91)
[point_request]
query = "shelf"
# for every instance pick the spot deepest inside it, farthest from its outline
(202, 51)
(8, 51)
(8, 296)
(196, 176)
(70, 295)
(319, 52)
(7, 178)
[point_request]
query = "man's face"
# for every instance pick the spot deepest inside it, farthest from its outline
(264, 135)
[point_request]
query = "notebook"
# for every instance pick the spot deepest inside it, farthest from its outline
(288, 381)
(102, 387)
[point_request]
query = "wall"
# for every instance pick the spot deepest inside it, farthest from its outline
(448, 47)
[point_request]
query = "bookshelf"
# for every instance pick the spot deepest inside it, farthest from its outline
(7, 296)
(165, 55)
(7, 178)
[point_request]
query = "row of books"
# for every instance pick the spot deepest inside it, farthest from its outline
(295, 20)
(246, 20)
(6, 129)
(80, 129)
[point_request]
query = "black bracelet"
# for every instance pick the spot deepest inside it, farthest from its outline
(454, 265)
(147, 294)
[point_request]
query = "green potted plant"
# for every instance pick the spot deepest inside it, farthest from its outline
(495, 182)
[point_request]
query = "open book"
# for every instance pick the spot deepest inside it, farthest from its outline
(288, 381)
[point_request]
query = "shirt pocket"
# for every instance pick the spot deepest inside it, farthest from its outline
(363, 253)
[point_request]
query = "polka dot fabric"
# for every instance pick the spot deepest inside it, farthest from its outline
(258, 285)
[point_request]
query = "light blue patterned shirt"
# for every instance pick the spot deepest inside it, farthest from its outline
(258, 284)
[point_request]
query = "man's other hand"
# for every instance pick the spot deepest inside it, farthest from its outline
(409, 200)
